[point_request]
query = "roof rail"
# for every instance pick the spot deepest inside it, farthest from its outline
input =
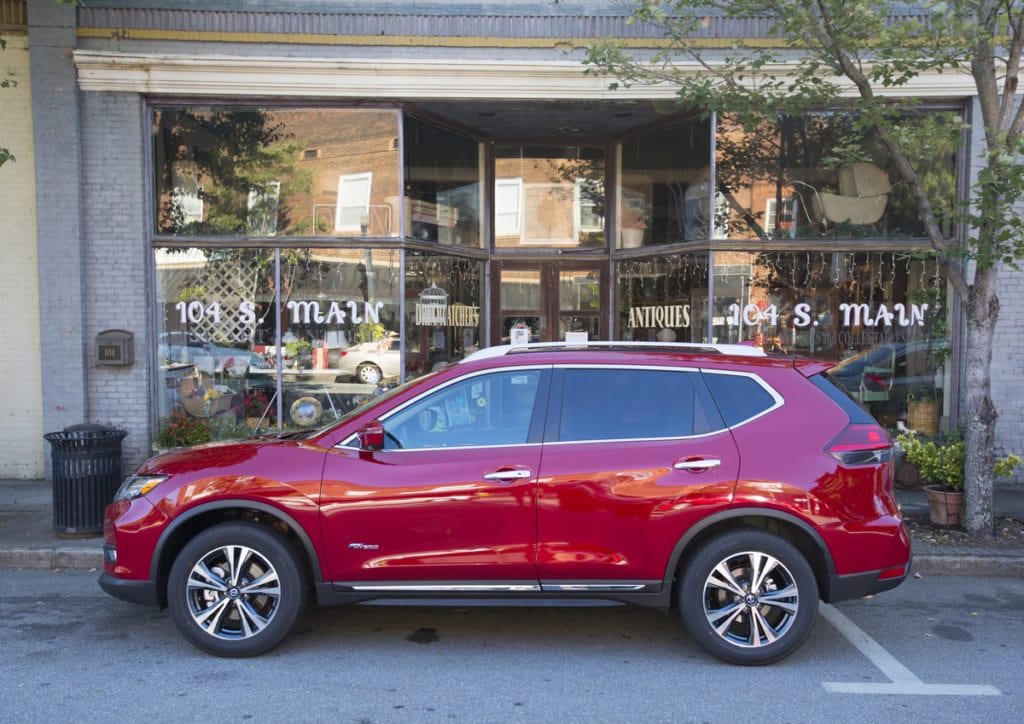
(739, 350)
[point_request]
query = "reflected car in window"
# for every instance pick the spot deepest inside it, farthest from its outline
(737, 488)
(181, 348)
(882, 377)
(370, 362)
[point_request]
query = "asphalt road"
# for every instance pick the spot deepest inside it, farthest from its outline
(938, 649)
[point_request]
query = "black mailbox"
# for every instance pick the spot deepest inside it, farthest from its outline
(115, 347)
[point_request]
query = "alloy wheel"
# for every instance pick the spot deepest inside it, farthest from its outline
(233, 592)
(751, 599)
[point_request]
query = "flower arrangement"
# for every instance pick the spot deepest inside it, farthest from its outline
(256, 403)
(180, 429)
(941, 462)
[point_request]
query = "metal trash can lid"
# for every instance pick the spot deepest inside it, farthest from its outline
(85, 435)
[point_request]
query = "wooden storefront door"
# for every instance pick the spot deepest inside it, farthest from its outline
(546, 299)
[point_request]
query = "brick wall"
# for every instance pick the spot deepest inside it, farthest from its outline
(1008, 364)
(116, 262)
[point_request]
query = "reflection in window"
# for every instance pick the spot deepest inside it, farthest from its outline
(889, 313)
(508, 204)
(663, 298)
(286, 171)
(443, 172)
(665, 187)
(549, 196)
(443, 311)
(217, 340)
(828, 178)
(353, 212)
(263, 208)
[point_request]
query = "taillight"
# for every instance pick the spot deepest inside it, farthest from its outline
(861, 445)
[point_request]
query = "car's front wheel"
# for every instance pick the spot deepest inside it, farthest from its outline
(237, 589)
(369, 374)
(748, 597)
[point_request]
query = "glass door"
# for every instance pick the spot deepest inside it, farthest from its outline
(543, 301)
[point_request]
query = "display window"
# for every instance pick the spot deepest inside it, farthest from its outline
(251, 339)
(819, 176)
(256, 172)
(885, 317)
(549, 197)
(665, 186)
(443, 312)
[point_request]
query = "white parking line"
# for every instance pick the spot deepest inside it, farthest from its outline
(903, 679)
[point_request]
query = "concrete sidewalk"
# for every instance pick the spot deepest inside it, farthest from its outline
(28, 540)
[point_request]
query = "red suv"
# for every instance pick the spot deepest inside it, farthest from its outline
(741, 487)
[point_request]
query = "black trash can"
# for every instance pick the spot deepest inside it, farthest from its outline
(86, 474)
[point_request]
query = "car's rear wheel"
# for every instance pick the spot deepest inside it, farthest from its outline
(369, 374)
(748, 597)
(237, 589)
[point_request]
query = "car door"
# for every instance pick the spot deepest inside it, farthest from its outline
(632, 457)
(451, 497)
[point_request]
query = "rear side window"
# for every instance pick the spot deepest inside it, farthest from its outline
(739, 397)
(633, 403)
(842, 397)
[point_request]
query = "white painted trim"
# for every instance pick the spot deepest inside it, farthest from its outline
(167, 74)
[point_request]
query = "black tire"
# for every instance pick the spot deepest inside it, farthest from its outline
(220, 610)
(740, 623)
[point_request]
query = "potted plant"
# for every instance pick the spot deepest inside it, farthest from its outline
(295, 349)
(257, 411)
(940, 463)
(180, 429)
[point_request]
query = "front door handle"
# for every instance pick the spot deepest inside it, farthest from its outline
(509, 475)
(698, 464)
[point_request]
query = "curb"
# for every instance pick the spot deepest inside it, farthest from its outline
(51, 558)
(967, 565)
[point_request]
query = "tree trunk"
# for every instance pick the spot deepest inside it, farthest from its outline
(979, 415)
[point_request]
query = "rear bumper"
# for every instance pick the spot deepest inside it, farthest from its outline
(143, 592)
(858, 585)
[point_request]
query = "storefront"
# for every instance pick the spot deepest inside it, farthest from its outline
(278, 209)
(306, 254)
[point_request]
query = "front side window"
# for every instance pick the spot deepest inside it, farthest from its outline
(484, 410)
(633, 404)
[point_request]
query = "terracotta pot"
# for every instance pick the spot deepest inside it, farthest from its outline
(944, 506)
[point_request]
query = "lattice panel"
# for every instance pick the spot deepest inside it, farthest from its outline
(230, 282)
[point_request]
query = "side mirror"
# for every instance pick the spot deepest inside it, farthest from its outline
(371, 436)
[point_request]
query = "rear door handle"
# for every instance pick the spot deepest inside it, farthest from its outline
(697, 465)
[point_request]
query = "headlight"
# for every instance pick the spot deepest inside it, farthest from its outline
(136, 485)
